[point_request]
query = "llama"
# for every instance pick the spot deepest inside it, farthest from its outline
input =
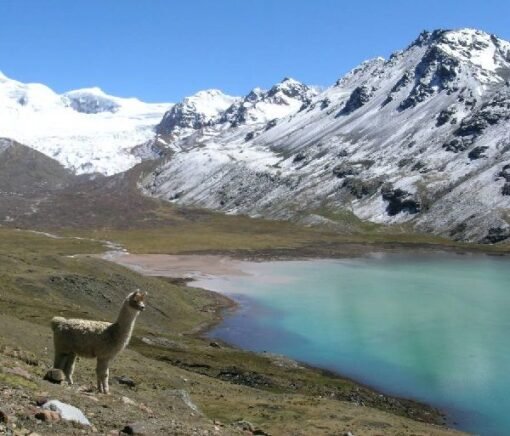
(95, 339)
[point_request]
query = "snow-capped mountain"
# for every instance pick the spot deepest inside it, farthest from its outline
(208, 114)
(193, 113)
(86, 130)
(422, 137)
(261, 106)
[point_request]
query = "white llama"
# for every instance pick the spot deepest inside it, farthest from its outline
(95, 339)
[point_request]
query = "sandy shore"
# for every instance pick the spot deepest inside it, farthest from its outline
(190, 266)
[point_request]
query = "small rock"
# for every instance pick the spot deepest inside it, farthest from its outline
(214, 344)
(259, 431)
(67, 412)
(245, 425)
(48, 416)
(123, 380)
(41, 399)
(55, 376)
(4, 417)
(136, 428)
(348, 433)
(127, 400)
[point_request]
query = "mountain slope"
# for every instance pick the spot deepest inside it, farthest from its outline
(85, 130)
(421, 138)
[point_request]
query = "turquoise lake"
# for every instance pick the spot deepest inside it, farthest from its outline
(434, 327)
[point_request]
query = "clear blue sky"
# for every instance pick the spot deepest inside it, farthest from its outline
(163, 50)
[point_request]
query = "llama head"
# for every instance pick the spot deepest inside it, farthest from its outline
(136, 300)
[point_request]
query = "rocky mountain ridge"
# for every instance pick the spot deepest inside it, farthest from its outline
(421, 138)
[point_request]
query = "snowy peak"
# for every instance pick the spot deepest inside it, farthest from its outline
(195, 112)
(86, 130)
(259, 106)
(90, 101)
(471, 47)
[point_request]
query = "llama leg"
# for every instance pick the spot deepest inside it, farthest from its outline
(102, 376)
(60, 360)
(69, 367)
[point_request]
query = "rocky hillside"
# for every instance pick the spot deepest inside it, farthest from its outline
(169, 380)
(420, 138)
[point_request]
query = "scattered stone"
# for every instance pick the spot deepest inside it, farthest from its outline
(259, 431)
(348, 433)
(136, 428)
(67, 412)
(247, 378)
(128, 401)
(41, 399)
(55, 376)
(245, 425)
(4, 417)
(48, 416)
(123, 380)
(214, 344)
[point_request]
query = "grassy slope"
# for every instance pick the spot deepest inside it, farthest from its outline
(39, 279)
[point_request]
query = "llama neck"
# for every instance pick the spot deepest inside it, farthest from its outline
(125, 322)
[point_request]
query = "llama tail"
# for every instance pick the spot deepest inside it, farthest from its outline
(56, 322)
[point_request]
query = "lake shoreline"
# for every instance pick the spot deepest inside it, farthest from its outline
(191, 268)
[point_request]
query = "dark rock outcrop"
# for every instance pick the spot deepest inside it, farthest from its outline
(399, 200)
(496, 234)
(477, 152)
(359, 97)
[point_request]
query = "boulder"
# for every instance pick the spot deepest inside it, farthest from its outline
(55, 376)
(136, 428)
(67, 412)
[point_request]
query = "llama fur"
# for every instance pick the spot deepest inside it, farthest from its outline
(95, 339)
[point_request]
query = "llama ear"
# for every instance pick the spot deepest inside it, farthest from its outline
(144, 294)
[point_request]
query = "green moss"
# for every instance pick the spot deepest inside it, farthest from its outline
(17, 381)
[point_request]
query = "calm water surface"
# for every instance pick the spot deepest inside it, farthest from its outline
(432, 327)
